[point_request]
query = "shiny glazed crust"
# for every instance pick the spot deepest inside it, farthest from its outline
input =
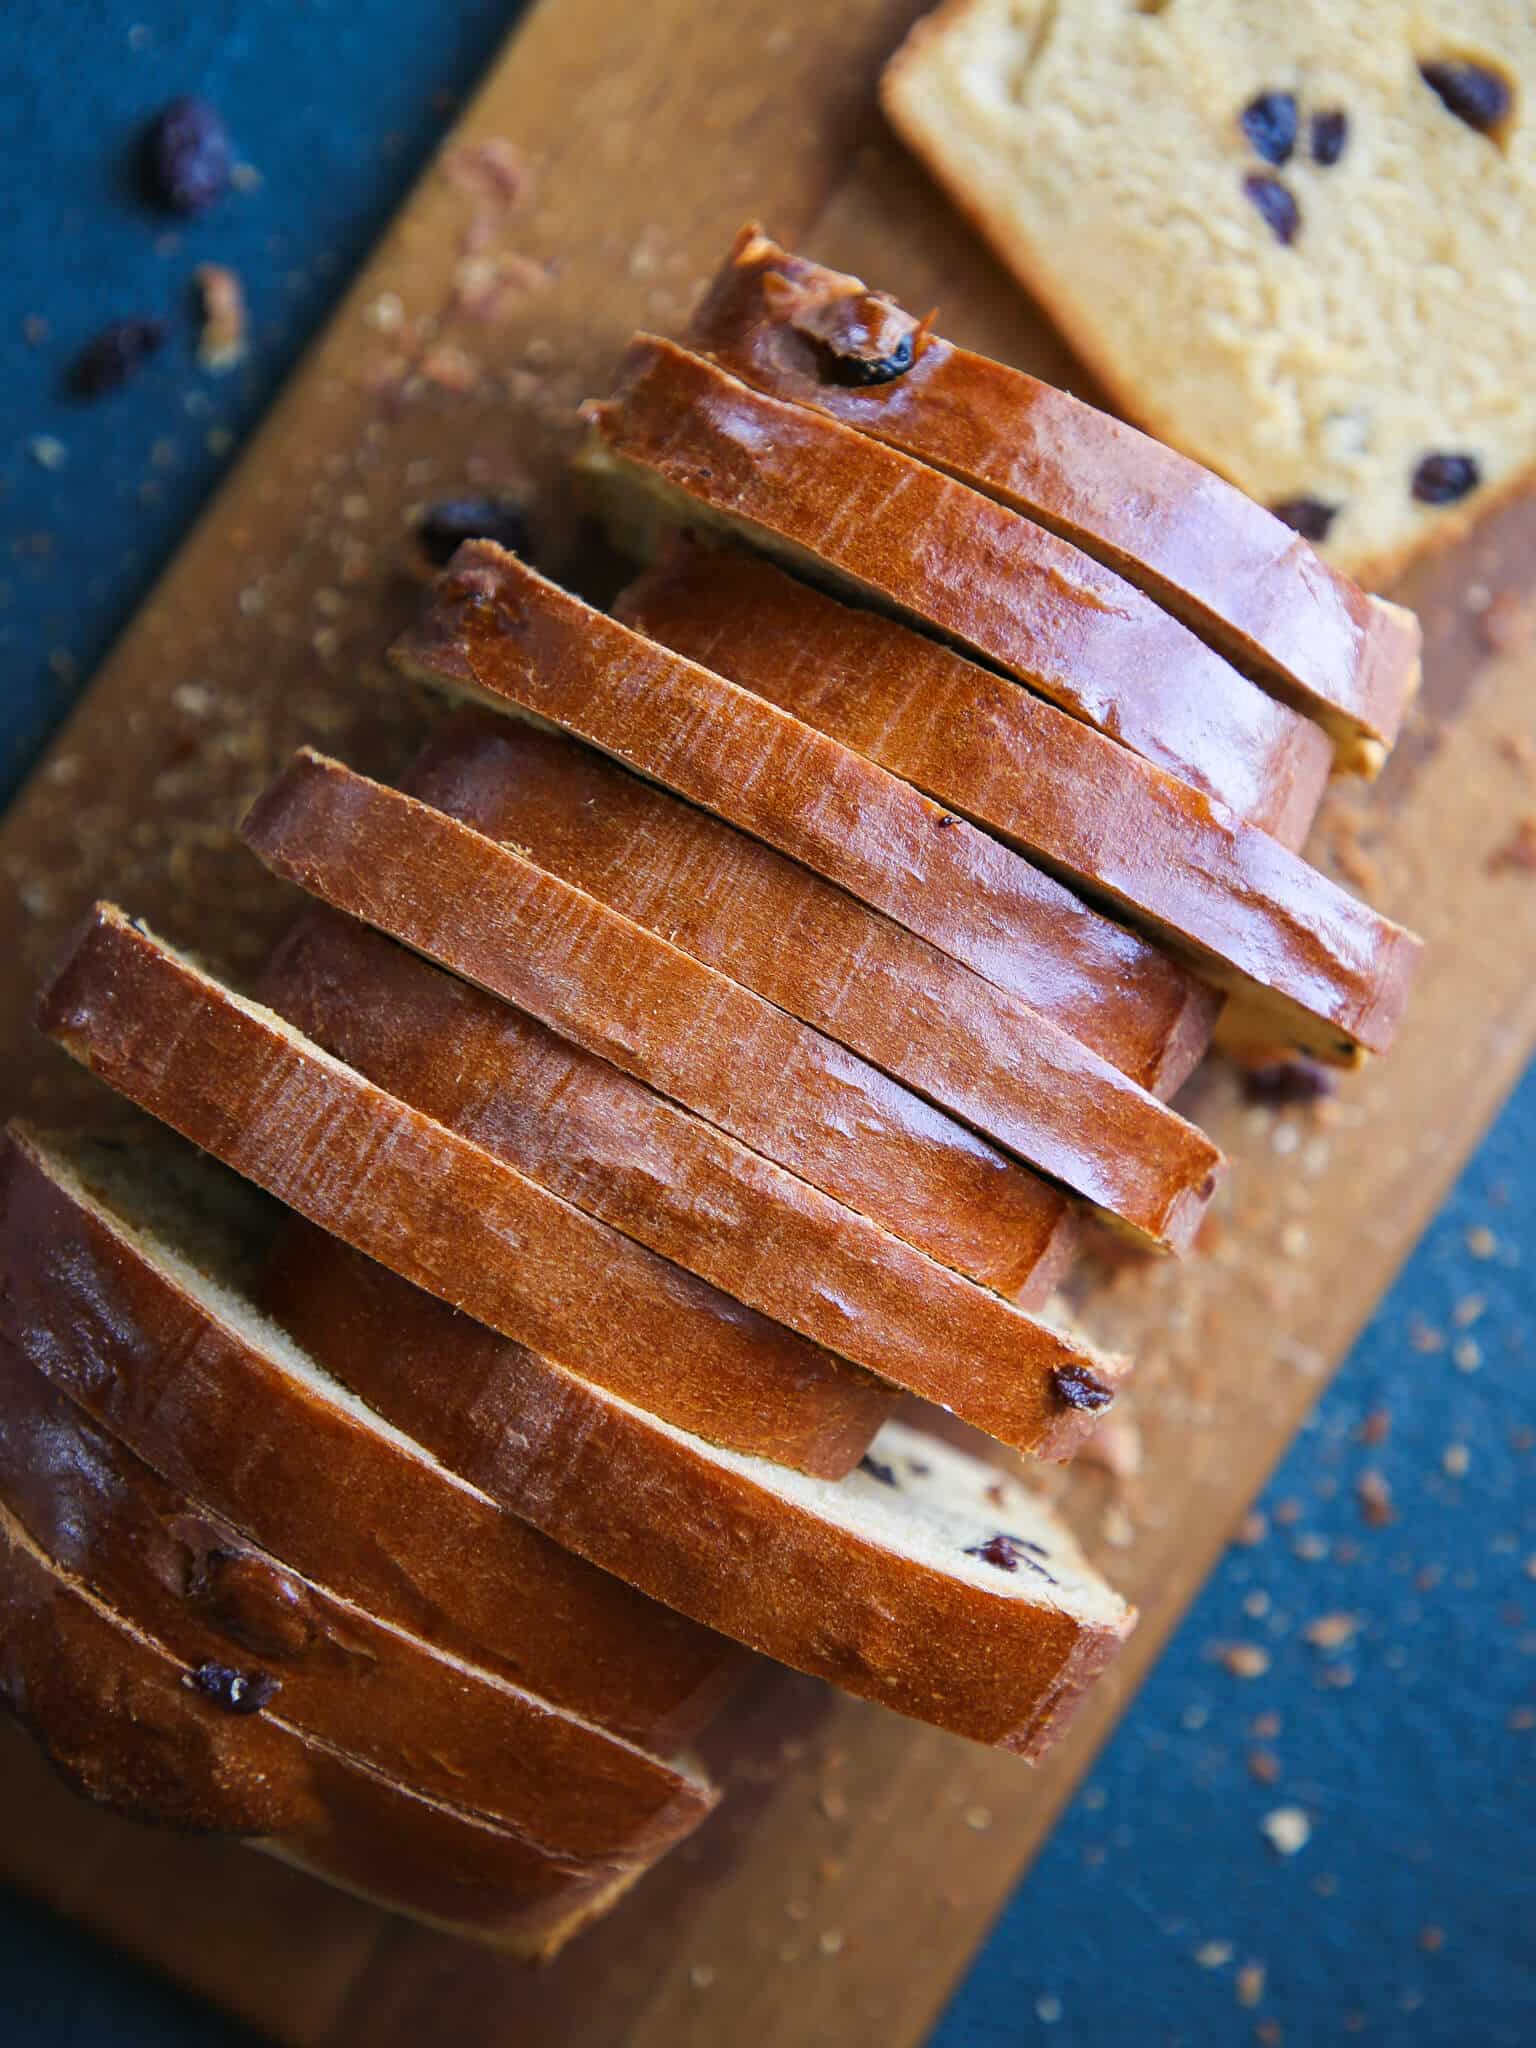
(497, 631)
(418, 1197)
(1227, 566)
(917, 542)
(221, 1420)
(696, 1532)
(114, 1711)
(956, 1040)
(1311, 964)
(374, 1693)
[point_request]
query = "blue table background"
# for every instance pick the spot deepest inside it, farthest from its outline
(1406, 1918)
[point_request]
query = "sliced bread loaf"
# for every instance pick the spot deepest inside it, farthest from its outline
(927, 1581)
(127, 1270)
(441, 1211)
(1243, 579)
(129, 1724)
(1313, 965)
(709, 450)
(243, 1085)
(497, 631)
(256, 1633)
(612, 1147)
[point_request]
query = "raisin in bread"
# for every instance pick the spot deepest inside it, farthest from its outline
(1291, 241)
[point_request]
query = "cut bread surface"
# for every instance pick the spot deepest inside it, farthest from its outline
(1238, 575)
(129, 1269)
(888, 1582)
(706, 448)
(1307, 961)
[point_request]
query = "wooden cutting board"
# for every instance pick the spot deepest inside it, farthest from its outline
(858, 1860)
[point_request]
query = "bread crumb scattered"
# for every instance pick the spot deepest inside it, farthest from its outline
(1250, 1984)
(1246, 1660)
(1288, 1829)
(1214, 1955)
(1332, 1631)
(1375, 1498)
(221, 344)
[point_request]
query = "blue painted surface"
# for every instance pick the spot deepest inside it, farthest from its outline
(1406, 1918)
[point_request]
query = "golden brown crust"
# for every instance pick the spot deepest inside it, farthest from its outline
(799, 1587)
(932, 549)
(1321, 969)
(446, 1215)
(582, 1128)
(114, 1712)
(1220, 561)
(497, 630)
(409, 870)
(955, 1039)
(211, 1598)
(211, 1414)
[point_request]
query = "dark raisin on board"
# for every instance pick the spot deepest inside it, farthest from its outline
(1280, 1083)
(187, 157)
(1269, 122)
(849, 366)
(1309, 517)
(114, 356)
(1474, 93)
(1080, 1388)
(1275, 203)
(237, 1692)
(442, 528)
(1443, 479)
(876, 1470)
(1330, 136)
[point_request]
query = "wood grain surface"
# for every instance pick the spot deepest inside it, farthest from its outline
(858, 1859)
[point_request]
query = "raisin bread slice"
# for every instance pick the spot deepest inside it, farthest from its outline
(1302, 960)
(256, 1633)
(241, 1084)
(497, 632)
(929, 1582)
(700, 447)
(1244, 580)
(1288, 240)
(406, 1190)
(128, 1270)
(132, 1727)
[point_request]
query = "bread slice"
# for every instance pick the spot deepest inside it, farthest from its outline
(1233, 572)
(128, 1268)
(709, 450)
(934, 1584)
(442, 1212)
(659, 1014)
(241, 1084)
(1310, 964)
(127, 1724)
(497, 632)
(1279, 235)
(915, 1014)
(256, 1630)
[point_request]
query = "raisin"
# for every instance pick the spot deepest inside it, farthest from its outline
(237, 1692)
(1330, 136)
(884, 1473)
(443, 527)
(1442, 479)
(1281, 1082)
(996, 1550)
(187, 156)
(1472, 92)
(1281, 214)
(1269, 122)
(850, 366)
(114, 356)
(1309, 517)
(1080, 1388)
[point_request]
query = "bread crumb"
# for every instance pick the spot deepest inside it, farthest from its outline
(1332, 1631)
(979, 1818)
(1376, 1427)
(1246, 1660)
(1481, 1242)
(1288, 1829)
(47, 451)
(1214, 1955)
(221, 345)
(1431, 1939)
(1375, 1498)
(1456, 1461)
(1468, 1355)
(830, 1941)
(1264, 1766)
(701, 1976)
(1048, 2009)
(1250, 1984)
(1252, 1529)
